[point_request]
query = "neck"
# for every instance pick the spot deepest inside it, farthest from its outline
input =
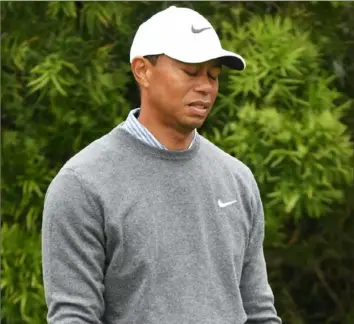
(171, 138)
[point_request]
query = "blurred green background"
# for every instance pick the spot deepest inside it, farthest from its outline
(289, 116)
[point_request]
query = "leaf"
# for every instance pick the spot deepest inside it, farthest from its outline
(71, 66)
(291, 202)
(39, 83)
(58, 86)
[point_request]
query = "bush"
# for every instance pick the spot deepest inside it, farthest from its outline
(21, 282)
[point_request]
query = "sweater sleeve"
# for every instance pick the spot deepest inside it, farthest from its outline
(258, 299)
(73, 253)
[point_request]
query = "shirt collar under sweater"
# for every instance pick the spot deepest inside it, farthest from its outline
(137, 129)
(125, 139)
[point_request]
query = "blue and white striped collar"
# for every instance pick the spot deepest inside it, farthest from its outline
(137, 129)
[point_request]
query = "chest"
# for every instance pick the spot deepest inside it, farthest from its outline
(176, 213)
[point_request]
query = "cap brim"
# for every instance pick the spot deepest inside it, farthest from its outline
(227, 58)
(232, 60)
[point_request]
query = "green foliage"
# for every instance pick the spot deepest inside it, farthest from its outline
(302, 164)
(66, 81)
(21, 282)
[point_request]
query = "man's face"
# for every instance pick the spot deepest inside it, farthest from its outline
(181, 95)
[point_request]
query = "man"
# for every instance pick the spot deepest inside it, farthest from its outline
(152, 223)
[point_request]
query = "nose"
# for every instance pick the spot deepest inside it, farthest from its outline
(204, 84)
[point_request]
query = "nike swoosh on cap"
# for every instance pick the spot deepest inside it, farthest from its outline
(197, 31)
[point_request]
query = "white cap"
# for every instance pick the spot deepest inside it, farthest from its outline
(184, 35)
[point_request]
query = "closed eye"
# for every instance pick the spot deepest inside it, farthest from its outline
(212, 77)
(193, 74)
(190, 73)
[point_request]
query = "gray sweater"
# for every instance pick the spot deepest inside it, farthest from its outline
(140, 235)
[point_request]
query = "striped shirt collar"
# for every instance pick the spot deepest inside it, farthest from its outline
(137, 129)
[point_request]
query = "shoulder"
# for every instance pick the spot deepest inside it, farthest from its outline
(224, 160)
(94, 164)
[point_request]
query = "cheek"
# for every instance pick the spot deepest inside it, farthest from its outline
(215, 91)
(172, 88)
(158, 90)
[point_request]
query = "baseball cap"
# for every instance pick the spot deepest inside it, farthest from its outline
(184, 35)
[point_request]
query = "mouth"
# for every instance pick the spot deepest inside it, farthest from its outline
(200, 106)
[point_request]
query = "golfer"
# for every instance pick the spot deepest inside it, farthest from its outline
(152, 223)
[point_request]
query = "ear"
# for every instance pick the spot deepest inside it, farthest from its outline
(141, 69)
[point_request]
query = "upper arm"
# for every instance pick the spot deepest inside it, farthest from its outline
(257, 295)
(73, 252)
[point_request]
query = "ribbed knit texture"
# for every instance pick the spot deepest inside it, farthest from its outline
(134, 234)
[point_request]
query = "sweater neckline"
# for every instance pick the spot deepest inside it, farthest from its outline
(134, 143)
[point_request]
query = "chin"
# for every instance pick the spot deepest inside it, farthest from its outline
(191, 125)
(192, 119)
